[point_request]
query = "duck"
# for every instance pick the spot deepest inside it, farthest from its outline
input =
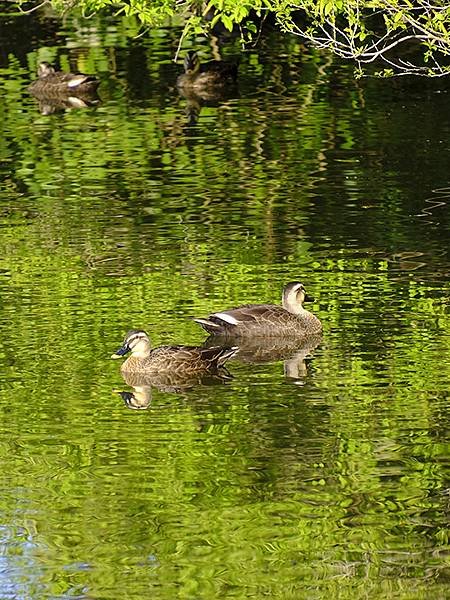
(52, 82)
(266, 320)
(181, 360)
(198, 76)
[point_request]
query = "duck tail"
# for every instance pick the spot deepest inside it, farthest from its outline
(83, 82)
(226, 354)
(209, 326)
(218, 355)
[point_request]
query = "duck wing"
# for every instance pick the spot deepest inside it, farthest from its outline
(69, 81)
(251, 313)
(190, 358)
(74, 80)
(248, 316)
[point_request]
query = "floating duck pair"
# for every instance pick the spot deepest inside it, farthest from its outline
(196, 75)
(57, 90)
(291, 320)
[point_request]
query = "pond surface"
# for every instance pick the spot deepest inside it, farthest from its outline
(318, 472)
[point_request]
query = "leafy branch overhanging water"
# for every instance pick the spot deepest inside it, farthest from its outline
(397, 36)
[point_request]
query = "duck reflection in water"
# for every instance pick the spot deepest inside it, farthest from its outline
(169, 368)
(294, 352)
(57, 91)
(48, 106)
(209, 84)
(139, 399)
(173, 383)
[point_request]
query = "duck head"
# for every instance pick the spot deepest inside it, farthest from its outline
(137, 342)
(294, 294)
(191, 63)
(44, 70)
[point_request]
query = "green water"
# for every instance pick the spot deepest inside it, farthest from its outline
(323, 477)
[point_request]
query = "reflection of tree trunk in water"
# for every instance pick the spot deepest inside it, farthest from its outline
(261, 128)
(269, 237)
(215, 47)
(112, 61)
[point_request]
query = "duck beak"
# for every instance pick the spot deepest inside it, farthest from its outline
(121, 351)
(308, 298)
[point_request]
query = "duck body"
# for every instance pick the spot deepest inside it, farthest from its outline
(53, 83)
(181, 360)
(266, 320)
(213, 74)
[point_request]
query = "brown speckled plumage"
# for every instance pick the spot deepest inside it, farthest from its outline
(181, 360)
(51, 82)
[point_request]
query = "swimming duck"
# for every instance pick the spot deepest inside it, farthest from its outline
(52, 82)
(266, 320)
(170, 359)
(212, 73)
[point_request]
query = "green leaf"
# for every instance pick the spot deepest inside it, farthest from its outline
(227, 21)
